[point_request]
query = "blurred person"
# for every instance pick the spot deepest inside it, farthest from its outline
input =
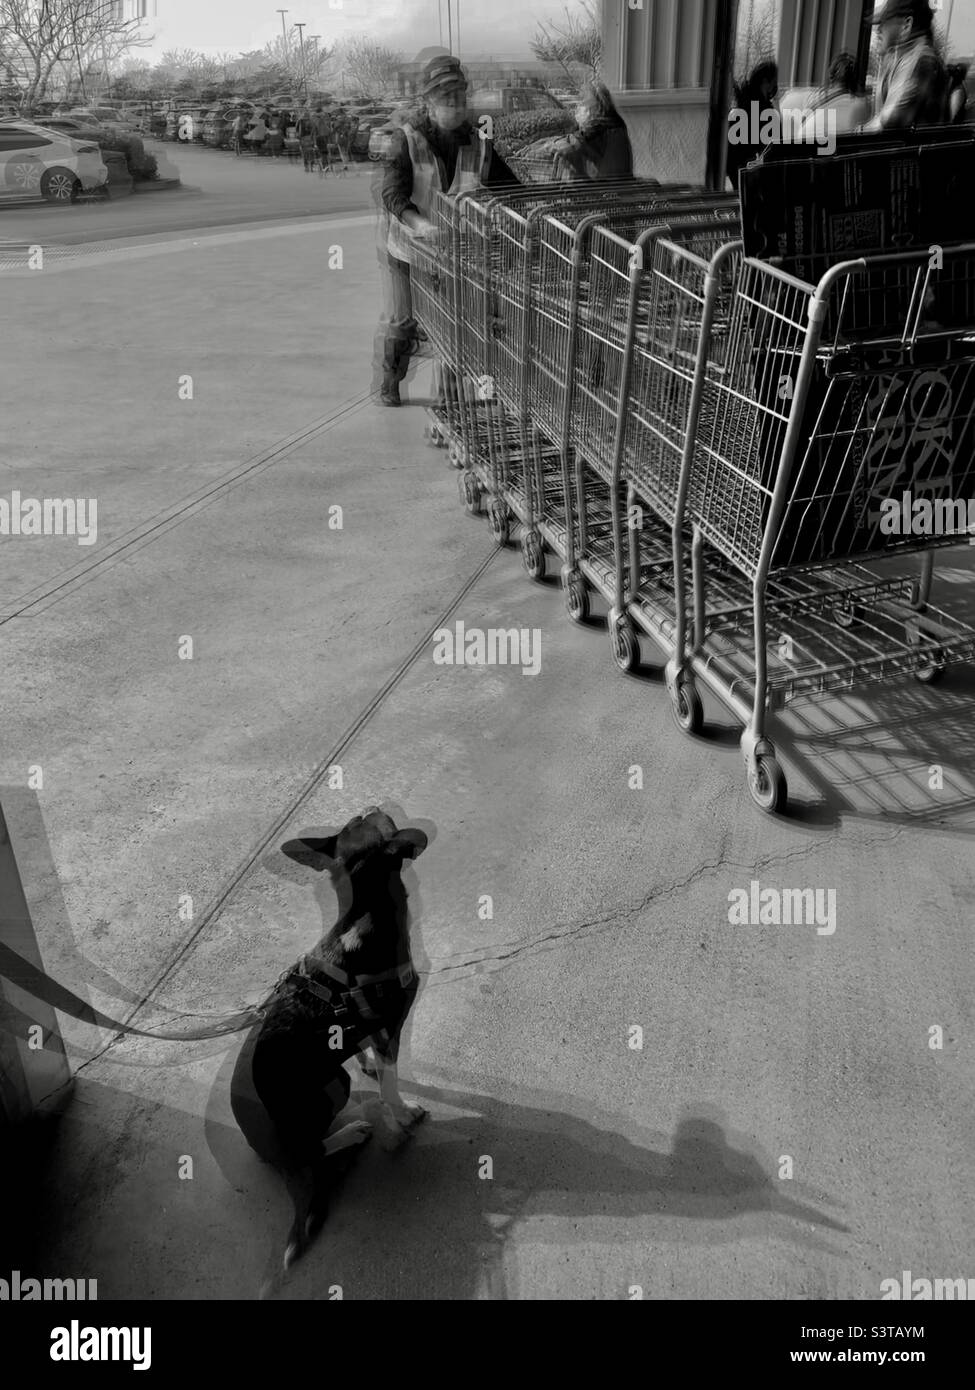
(756, 95)
(912, 83)
(323, 133)
(237, 131)
(435, 150)
(842, 98)
(306, 137)
(600, 147)
(275, 135)
(257, 134)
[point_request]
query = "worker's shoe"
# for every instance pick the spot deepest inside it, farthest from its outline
(389, 393)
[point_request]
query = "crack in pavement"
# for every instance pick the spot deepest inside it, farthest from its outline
(569, 932)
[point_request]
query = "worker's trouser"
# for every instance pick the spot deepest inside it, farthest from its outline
(398, 323)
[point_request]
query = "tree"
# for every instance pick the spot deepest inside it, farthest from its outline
(369, 65)
(573, 44)
(39, 37)
(756, 39)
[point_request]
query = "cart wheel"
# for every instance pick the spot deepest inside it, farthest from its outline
(576, 597)
(434, 436)
(688, 709)
(500, 523)
(934, 672)
(470, 493)
(533, 555)
(767, 785)
(626, 649)
(846, 617)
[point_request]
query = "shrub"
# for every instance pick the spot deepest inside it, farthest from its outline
(524, 127)
(139, 164)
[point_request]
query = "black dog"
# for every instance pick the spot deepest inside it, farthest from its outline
(352, 992)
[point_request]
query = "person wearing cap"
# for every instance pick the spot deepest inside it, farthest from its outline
(912, 85)
(436, 150)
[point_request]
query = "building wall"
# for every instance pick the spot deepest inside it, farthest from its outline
(658, 59)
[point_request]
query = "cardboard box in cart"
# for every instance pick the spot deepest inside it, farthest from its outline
(881, 420)
(880, 423)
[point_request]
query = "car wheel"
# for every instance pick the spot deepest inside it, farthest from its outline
(24, 174)
(60, 186)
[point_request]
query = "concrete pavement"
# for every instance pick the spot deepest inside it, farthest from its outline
(612, 1166)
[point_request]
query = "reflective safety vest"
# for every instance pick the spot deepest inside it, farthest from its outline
(428, 178)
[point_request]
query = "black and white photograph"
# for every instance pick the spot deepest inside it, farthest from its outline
(487, 634)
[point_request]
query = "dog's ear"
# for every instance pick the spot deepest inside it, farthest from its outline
(406, 844)
(317, 854)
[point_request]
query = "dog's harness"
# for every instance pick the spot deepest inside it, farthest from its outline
(349, 999)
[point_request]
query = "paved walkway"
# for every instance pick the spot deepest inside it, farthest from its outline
(169, 780)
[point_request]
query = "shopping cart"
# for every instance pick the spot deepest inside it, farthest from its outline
(503, 299)
(638, 333)
(813, 410)
(562, 298)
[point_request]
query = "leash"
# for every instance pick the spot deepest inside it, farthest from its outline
(34, 981)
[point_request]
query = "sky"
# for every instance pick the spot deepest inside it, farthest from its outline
(498, 27)
(487, 27)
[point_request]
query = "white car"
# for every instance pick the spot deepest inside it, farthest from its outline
(45, 163)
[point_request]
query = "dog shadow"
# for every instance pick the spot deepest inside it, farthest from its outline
(440, 1219)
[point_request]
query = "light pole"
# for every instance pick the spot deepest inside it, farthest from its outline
(315, 57)
(284, 36)
(301, 41)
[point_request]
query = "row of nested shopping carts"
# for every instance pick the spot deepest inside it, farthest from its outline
(703, 439)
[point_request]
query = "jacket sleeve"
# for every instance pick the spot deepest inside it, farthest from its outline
(398, 178)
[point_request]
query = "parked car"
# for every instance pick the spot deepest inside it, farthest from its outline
(47, 162)
(103, 115)
(218, 126)
(79, 130)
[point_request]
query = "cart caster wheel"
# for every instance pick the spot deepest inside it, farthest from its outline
(434, 436)
(768, 786)
(626, 649)
(934, 671)
(688, 709)
(846, 617)
(576, 597)
(457, 455)
(470, 494)
(500, 523)
(533, 555)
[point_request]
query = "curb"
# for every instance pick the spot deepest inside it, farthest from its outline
(155, 185)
